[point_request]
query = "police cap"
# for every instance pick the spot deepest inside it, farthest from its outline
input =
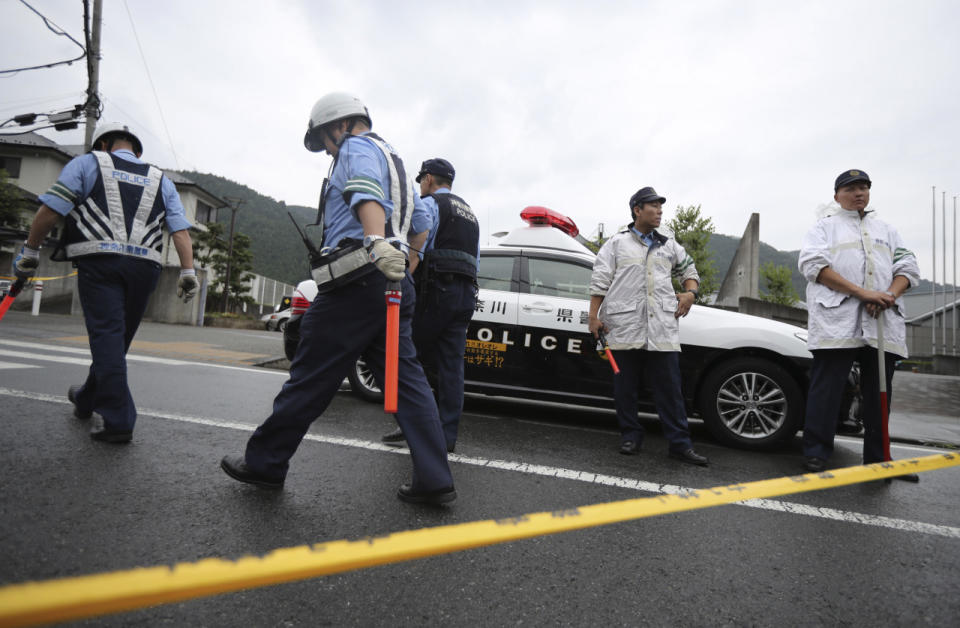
(849, 176)
(437, 166)
(645, 195)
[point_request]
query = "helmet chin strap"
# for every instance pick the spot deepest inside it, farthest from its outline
(347, 133)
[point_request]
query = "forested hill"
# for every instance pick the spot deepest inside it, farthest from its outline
(278, 251)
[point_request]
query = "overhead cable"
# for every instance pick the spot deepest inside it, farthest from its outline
(55, 30)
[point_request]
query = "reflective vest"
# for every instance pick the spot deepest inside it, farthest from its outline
(457, 240)
(124, 214)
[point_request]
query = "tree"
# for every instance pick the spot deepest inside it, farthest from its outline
(210, 250)
(693, 232)
(11, 203)
(778, 285)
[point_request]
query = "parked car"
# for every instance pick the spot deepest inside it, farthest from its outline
(746, 377)
(276, 320)
(5, 287)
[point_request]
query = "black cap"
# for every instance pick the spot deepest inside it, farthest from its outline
(848, 177)
(437, 166)
(645, 195)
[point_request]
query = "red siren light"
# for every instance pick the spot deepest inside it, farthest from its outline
(536, 215)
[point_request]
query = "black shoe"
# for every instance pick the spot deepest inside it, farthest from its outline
(451, 447)
(849, 427)
(77, 412)
(99, 431)
(437, 497)
(395, 438)
(629, 448)
(812, 464)
(906, 477)
(236, 467)
(690, 457)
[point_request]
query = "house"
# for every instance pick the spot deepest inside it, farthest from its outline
(33, 163)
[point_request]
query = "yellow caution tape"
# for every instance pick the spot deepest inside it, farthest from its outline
(45, 278)
(34, 603)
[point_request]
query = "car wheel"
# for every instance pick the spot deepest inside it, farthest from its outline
(751, 403)
(282, 326)
(363, 383)
(267, 326)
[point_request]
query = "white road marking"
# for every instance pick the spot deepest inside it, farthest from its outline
(62, 359)
(559, 472)
(17, 365)
(130, 357)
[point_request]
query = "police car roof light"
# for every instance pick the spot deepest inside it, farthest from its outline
(536, 215)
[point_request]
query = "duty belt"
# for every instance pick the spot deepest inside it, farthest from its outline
(341, 266)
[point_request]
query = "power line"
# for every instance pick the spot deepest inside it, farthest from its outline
(56, 30)
(150, 78)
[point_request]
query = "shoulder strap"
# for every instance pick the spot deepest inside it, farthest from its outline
(401, 192)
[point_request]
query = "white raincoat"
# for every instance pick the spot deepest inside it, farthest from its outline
(639, 299)
(869, 253)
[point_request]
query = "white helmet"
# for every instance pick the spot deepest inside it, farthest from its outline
(107, 128)
(332, 107)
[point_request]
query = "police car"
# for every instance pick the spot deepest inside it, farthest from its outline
(744, 376)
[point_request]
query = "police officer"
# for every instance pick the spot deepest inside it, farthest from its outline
(632, 299)
(446, 292)
(115, 207)
(368, 199)
(857, 268)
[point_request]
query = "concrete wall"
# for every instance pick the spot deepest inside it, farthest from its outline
(57, 293)
(773, 311)
(743, 276)
(164, 305)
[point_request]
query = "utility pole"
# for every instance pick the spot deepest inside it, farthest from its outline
(93, 71)
(235, 204)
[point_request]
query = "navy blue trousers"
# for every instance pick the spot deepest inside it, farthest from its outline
(440, 325)
(114, 290)
(661, 371)
(828, 377)
(339, 327)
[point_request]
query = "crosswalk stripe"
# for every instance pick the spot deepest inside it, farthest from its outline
(46, 358)
(17, 365)
(131, 357)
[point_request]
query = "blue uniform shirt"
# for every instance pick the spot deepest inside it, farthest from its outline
(362, 171)
(80, 175)
(646, 238)
(434, 210)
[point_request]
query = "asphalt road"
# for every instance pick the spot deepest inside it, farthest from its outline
(866, 554)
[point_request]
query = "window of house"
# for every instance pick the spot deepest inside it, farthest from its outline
(11, 165)
(205, 213)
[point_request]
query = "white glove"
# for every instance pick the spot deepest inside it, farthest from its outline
(389, 260)
(187, 285)
(26, 262)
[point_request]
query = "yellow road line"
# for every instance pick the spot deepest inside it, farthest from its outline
(35, 603)
(45, 278)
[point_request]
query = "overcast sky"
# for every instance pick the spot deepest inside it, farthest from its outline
(736, 106)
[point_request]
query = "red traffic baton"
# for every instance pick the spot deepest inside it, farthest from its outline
(884, 404)
(11, 295)
(882, 370)
(603, 343)
(391, 364)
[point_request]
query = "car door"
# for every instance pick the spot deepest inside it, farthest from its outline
(490, 357)
(553, 310)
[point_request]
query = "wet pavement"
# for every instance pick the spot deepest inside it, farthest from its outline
(925, 409)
